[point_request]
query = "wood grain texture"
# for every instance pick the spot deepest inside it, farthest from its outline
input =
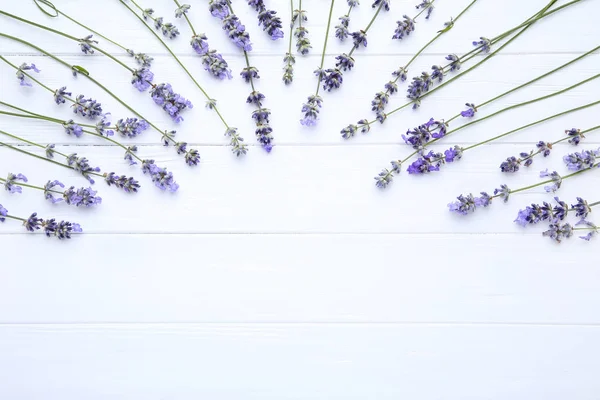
(289, 275)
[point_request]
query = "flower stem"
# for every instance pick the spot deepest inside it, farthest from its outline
(530, 124)
(324, 46)
(176, 59)
(29, 142)
(292, 25)
(354, 47)
(595, 166)
(15, 218)
(34, 187)
(299, 15)
(187, 19)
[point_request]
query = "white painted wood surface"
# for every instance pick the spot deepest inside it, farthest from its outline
(289, 275)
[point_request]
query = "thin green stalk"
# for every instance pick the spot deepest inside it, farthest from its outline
(39, 26)
(530, 125)
(15, 218)
(300, 15)
(29, 142)
(114, 142)
(368, 27)
(31, 117)
(248, 66)
(325, 46)
(177, 60)
(34, 187)
(549, 181)
(292, 25)
(187, 19)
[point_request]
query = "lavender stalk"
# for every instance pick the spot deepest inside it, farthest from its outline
(341, 30)
(60, 230)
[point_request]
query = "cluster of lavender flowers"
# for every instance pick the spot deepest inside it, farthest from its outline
(168, 29)
(303, 45)
(161, 178)
(21, 74)
(52, 228)
(231, 24)
(342, 30)
(173, 103)
(582, 160)
(267, 19)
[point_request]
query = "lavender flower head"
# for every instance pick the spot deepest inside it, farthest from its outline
(182, 10)
(593, 229)
(168, 29)
(21, 74)
(128, 184)
(131, 127)
(10, 183)
(267, 19)
(454, 62)
(581, 208)
(545, 212)
(141, 58)
(238, 147)
(419, 136)
(384, 4)
(219, 8)
(71, 128)
(81, 165)
(484, 43)
(426, 5)
(555, 178)
(311, 110)
(503, 192)
(359, 38)
(60, 94)
(263, 129)
(469, 203)
(216, 65)
(85, 197)
(404, 28)
(3, 213)
(160, 176)
(303, 45)
(559, 232)
(171, 102)
(87, 107)
(575, 136)
(86, 44)
(199, 43)
(142, 78)
(103, 126)
(51, 188)
(582, 160)
(470, 111)
(231, 24)
(61, 230)
(341, 30)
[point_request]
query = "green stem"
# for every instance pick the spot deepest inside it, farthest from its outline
(31, 117)
(29, 142)
(186, 18)
(40, 26)
(530, 125)
(176, 59)
(248, 66)
(292, 26)
(300, 15)
(91, 30)
(325, 46)
(33, 187)
(595, 166)
(594, 204)
(15, 218)
(112, 141)
(354, 47)
(115, 59)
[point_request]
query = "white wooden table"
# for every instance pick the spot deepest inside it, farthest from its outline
(289, 275)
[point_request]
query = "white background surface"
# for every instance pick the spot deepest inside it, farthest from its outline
(289, 275)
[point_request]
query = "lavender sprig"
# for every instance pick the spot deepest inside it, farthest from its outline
(312, 107)
(545, 212)
(270, 23)
(342, 30)
(573, 136)
(21, 75)
(60, 230)
(223, 10)
(167, 28)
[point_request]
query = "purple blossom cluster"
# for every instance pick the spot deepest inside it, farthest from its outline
(85, 197)
(432, 161)
(267, 19)
(21, 74)
(86, 107)
(127, 184)
(173, 103)
(470, 111)
(87, 43)
(384, 4)
(60, 95)
(261, 117)
(341, 30)
(536, 213)
(426, 5)
(71, 128)
(167, 28)
(404, 28)
(422, 134)
(11, 183)
(60, 230)
(311, 110)
(231, 24)
(466, 204)
(131, 127)
(142, 79)
(82, 165)
(160, 176)
(141, 58)
(582, 160)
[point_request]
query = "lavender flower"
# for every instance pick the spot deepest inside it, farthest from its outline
(303, 45)
(426, 5)
(423, 133)
(468, 204)
(86, 44)
(359, 38)
(249, 73)
(238, 146)
(558, 232)
(419, 86)
(161, 178)
(311, 110)
(384, 178)
(3, 213)
(484, 43)
(581, 208)
(426, 163)
(61, 230)
(510, 165)
(129, 154)
(592, 227)
(234, 28)
(267, 19)
(583, 160)
(454, 62)
(60, 94)
(85, 197)
(333, 79)
(219, 8)
(71, 128)
(10, 184)
(182, 10)
(49, 189)
(503, 192)
(385, 4)
(341, 30)
(544, 148)
(131, 127)
(168, 29)
(470, 111)
(214, 63)
(50, 150)
(556, 180)
(171, 102)
(81, 165)
(103, 126)
(545, 212)
(129, 185)
(141, 58)
(344, 62)
(437, 73)
(141, 79)
(288, 70)
(263, 129)
(575, 136)
(405, 27)
(21, 74)
(87, 107)
(33, 223)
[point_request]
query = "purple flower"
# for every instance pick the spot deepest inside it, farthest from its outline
(49, 190)
(544, 148)
(87, 107)
(545, 212)
(582, 209)
(60, 94)
(269, 22)
(419, 86)
(454, 62)
(333, 79)
(237, 32)
(344, 62)
(423, 133)
(558, 232)
(81, 165)
(61, 230)
(141, 79)
(71, 128)
(130, 154)
(33, 223)
(238, 147)
(510, 165)
(575, 135)
(380, 101)
(10, 184)
(129, 185)
(437, 73)
(385, 4)
(484, 43)
(503, 192)
(168, 29)
(359, 38)
(3, 213)
(593, 229)
(143, 59)
(405, 27)
(263, 129)
(182, 10)
(131, 127)
(216, 65)
(426, 5)
(341, 30)
(303, 45)
(429, 162)
(384, 178)
(453, 153)
(50, 150)
(468, 204)
(199, 43)
(555, 178)
(103, 127)
(311, 110)
(161, 178)
(21, 75)
(86, 44)
(583, 160)
(255, 98)
(171, 102)
(469, 112)
(81, 197)
(219, 8)
(249, 73)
